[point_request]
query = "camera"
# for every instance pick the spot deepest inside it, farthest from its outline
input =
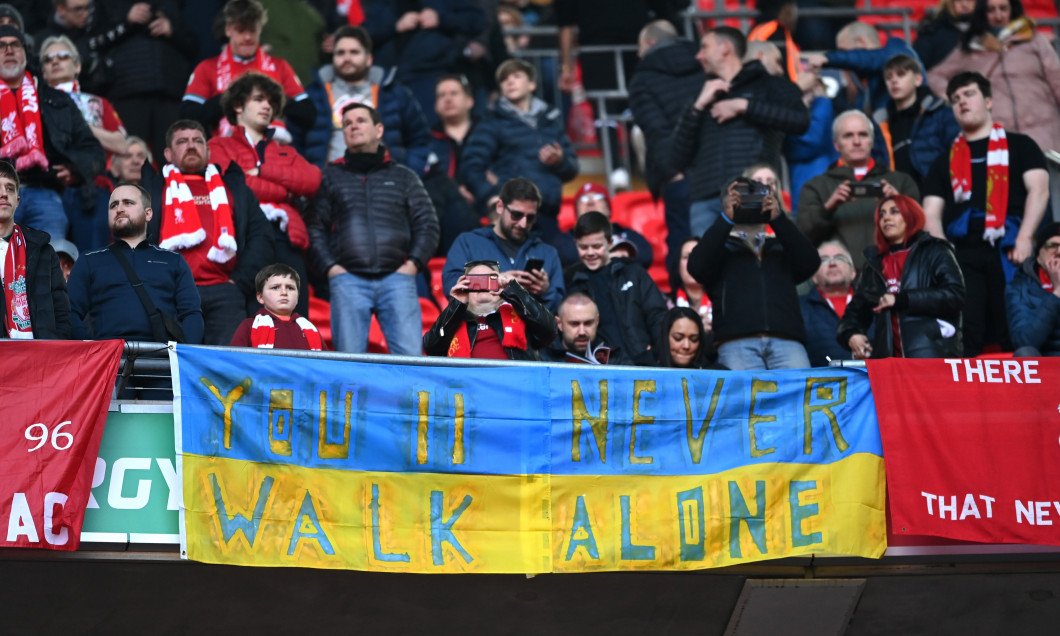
(866, 189)
(752, 194)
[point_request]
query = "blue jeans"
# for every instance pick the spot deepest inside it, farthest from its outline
(391, 298)
(703, 214)
(42, 209)
(763, 352)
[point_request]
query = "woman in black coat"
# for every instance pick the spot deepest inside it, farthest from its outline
(911, 286)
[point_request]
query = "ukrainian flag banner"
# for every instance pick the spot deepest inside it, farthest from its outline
(315, 463)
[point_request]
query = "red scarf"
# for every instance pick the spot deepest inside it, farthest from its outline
(868, 169)
(514, 334)
(181, 226)
(1043, 278)
(21, 128)
(17, 323)
(263, 332)
(706, 308)
(996, 179)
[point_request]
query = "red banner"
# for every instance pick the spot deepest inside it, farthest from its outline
(55, 397)
(971, 447)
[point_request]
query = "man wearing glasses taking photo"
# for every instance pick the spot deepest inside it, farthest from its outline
(526, 258)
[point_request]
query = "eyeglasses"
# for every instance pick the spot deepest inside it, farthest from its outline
(838, 258)
(1052, 247)
(60, 55)
(517, 216)
(85, 8)
(592, 196)
(12, 46)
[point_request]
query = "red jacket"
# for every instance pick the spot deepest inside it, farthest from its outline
(282, 176)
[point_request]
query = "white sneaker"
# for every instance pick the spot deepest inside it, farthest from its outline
(619, 179)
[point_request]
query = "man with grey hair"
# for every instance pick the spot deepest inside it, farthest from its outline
(841, 203)
(823, 305)
(767, 53)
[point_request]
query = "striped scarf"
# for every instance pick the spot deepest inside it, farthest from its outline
(181, 226)
(997, 179)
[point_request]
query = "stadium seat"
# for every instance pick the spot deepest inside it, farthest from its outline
(320, 316)
(566, 213)
(435, 266)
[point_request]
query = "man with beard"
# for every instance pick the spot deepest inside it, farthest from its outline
(502, 323)
(351, 78)
(578, 320)
(509, 243)
(216, 224)
(104, 302)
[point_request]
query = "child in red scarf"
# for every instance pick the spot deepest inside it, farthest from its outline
(277, 325)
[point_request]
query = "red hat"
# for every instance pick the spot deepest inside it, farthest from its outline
(593, 188)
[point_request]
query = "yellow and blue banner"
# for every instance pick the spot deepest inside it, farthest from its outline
(317, 463)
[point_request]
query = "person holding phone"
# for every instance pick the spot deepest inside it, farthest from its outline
(751, 277)
(490, 316)
(839, 204)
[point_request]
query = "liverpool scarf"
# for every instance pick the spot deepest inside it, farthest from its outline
(17, 323)
(21, 131)
(996, 179)
(514, 334)
(263, 332)
(181, 226)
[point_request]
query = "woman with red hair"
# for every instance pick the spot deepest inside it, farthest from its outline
(911, 286)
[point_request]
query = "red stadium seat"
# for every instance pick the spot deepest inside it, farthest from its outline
(566, 213)
(320, 316)
(435, 266)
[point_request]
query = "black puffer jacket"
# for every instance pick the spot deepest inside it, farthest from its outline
(666, 80)
(753, 296)
(932, 289)
(254, 234)
(540, 325)
(139, 63)
(710, 154)
(49, 306)
(68, 140)
(371, 222)
(640, 306)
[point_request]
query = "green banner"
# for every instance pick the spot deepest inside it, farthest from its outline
(135, 487)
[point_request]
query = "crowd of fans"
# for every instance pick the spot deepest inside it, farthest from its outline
(193, 180)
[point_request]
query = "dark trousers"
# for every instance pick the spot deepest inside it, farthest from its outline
(984, 305)
(676, 202)
(148, 117)
(223, 308)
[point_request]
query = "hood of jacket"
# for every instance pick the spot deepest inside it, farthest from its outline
(676, 58)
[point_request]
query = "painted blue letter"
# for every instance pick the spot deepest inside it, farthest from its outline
(581, 532)
(238, 523)
(307, 526)
(693, 529)
(442, 530)
(632, 552)
(377, 548)
(756, 524)
(800, 513)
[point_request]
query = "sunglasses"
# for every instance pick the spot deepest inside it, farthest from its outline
(517, 216)
(60, 55)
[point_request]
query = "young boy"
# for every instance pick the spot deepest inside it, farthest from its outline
(632, 308)
(277, 325)
(916, 124)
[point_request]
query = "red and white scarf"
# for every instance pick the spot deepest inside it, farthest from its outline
(514, 334)
(263, 332)
(706, 308)
(17, 323)
(20, 130)
(996, 179)
(181, 226)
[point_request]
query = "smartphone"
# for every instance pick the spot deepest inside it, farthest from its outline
(534, 264)
(483, 282)
(866, 190)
